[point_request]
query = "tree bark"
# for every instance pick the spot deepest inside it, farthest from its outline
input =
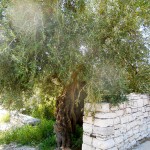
(69, 112)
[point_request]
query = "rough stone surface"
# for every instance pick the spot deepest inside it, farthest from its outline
(24, 119)
(119, 127)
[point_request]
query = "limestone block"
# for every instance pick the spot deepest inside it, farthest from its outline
(132, 143)
(103, 107)
(128, 126)
(146, 114)
(140, 109)
(113, 148)
(140, 113)
(135, 131)
(103, 131)
(88, 120)
(131, 139)
(117, 133)
(119, 113)
(124, 119)
(123, 128)
(87, 147)
(117, 126)
(105, 145)
(125, 137)
(118, 139)
(103, 122)
(133, 124)
(120, 146)
(132, 96)
(128, 110)
(137, 96)
(136, 136)
(105, 115)
(140, 103)
(89, 107)
(144, 96)
(130, 118)
(87, 139)
(129, 133)
(134, 115)
(139, 122)
(122, 105)
(147, 109)
(146, 101)
(143, 109)
(114, 108)
(135, 104)
(134, 110)
(117, 120)
(87, 128)
(143, 128)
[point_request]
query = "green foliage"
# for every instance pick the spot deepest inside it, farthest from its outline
(29, 134)
(48, 144)
(47, 46)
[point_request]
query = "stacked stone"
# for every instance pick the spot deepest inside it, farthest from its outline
(117, 127)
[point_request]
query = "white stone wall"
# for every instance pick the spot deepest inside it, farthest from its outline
(119, 127)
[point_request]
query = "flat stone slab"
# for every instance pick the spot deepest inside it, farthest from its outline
(16, 120)
(24, 119)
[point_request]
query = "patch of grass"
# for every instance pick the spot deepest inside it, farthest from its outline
(2, 137)
(29, 135)
(41, 135)
(48, 144)
(5, 118)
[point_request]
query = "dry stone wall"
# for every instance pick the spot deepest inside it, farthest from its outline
(117, 127)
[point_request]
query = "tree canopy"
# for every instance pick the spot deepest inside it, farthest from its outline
(47, 43)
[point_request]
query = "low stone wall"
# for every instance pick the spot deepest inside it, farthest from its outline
(119, 127)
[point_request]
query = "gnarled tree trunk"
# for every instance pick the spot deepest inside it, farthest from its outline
(69, 112)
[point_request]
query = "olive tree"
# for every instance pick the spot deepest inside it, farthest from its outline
(75, 51)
